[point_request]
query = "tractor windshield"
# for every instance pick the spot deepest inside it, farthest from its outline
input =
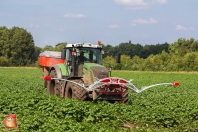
(89, 55)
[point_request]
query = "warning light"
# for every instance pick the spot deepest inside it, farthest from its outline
(175, 84)
(99, 42)
(47, 78)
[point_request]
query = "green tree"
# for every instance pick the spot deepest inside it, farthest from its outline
(35, 55)
(144, 53)
(195, 68)
(4, 61)
(126, 49)
(148, 63)
(48, 48)
(165, 58)
(175, 63)
(190, 61)
(21, 47)
(136, 49)
(137, 63)
(17, 45)
(109, 61)
(4, 42)
(152, 49)
(183, 46)
(125, 62)
(108, 50)
(60, 46)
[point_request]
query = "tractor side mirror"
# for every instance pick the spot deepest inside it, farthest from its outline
(118, 58)
(63, 54)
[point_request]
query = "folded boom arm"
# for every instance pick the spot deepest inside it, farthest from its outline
(119, 82)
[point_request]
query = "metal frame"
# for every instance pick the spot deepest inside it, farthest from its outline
(122, 83)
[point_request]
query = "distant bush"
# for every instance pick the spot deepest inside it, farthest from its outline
(160, 62)
(4, 61)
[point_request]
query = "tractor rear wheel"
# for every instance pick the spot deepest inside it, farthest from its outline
(74, 91)
(53, 86)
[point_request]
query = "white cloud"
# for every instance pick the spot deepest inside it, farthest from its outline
(180, 27)
(32, 25)
(131, 2)
(143, 21)
(114, 26)
(139, 4)
(70, 15)
(160, 1)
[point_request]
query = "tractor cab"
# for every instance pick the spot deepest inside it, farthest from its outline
(84, 60)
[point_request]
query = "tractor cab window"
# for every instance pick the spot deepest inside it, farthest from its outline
(68, 55)
(89, 55)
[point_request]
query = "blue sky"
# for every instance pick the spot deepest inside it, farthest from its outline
(111, 21)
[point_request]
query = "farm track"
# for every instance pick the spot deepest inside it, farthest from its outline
(157, 109)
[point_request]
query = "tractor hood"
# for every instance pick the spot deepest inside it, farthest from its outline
(99, 71)
(92, 70)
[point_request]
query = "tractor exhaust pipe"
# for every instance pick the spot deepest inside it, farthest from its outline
(73, 61)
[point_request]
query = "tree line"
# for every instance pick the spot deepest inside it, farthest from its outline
(182, 55)
(17, 48)
(132, 50)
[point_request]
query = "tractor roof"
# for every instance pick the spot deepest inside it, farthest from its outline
(88, 45)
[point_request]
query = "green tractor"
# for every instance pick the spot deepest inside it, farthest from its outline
(77, 73)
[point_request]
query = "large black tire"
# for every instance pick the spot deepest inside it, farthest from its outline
(125, 97)
(53, 86)
(74, 91)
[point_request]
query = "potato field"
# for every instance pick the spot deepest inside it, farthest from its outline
(161, 108)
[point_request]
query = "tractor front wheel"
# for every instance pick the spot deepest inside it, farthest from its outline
(74, 91)
(69, 91)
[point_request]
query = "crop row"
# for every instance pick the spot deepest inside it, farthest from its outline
(160, 108)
